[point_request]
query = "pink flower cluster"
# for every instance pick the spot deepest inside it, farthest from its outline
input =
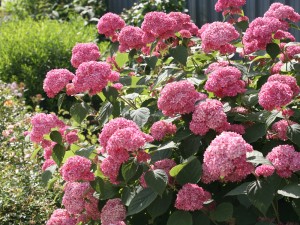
(279, 130)
(114, 212)
(289, 53)
(47, 164)
(162, 128)
(225, 159)
(61, 217)
(285, 160)
(131, 38)
(84, 52)
(42, 124)
(178, 98)
(191, 197)
(223, 5)
(282, 12)
(217, 36)
(109, 25)
(278, 91)
(264, 170)
(56, 80)
(77, 168)
(216, 65)
(208, 114)
(225, 81)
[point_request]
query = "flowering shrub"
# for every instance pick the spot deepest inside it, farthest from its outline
(195, 126)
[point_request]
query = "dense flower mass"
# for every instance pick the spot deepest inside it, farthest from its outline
(77, 168)
(61, 217)
(216, 65)
(289, 53)
(42, 124)
(92, 77)
(183, 23)
(208, 115)
(274, 95)
(84, 52)
(222, 5)
(113, 212)
(191, 197)
(162, 128)
(110, 168)
(217, 37)
(282, 12)
(56, 80)
(225, 81)
(288, 80)
(279, 130)
(264, 170)
(285, 160)
(225, 159)
(109, 24)
(131, 37)
(177, 98)
(47, 164)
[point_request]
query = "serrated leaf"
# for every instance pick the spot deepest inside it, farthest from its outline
(56, 137)
(60, 100)
(111, 94)
(79, 111)
(47, 174)
(291, 191)
(157, 180)
(140, 116)
(127, 195)
(191, 173)
(200, 218)
(121, 59)
(293, 134)
(104, 113)
(160, 204)
(223, 212)
(151, 61)
(128, 170)
(180, 54)
(273, 50)
(105, 189)
(272, 118)
(141, 201)
(180, 218)
(85, 152)
(255, 132)
(190, 146)
(58, 154)
(240, 190)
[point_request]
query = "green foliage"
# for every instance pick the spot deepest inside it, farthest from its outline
(29, 49)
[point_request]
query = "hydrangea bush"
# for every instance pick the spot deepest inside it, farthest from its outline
(193, 125)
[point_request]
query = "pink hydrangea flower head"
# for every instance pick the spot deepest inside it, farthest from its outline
(48, 163)
(225, 159)
(274, 95)
(109, 24)
(162, 128)
(91, 207)
(185, 34)
(61, 217)
(177, 98)
(237, 128)
(225, 81)
(110, 168)
(276, 69)
(285, 160)
(114, 76)
(77, 168)
(112, 126)
(283, 35)
(71, 137)
(222, 5)
(217, 37)
(191, 197)
(216, 65)
(56, 80)
(92, 77)
(84, 52)
(113, 212)
(131, 37)
(264, 170)
(208, 114)
(48, 148)
(280, 129)
(42, 124)
(74, 194)
(158, 25)
(282, 12)
(290, 53)
(183, 23)
(143, 156)
(259, 33)
(118, 86)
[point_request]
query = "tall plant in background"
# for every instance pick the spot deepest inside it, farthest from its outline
(195, 126)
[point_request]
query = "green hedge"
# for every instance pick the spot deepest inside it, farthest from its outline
(29, 49)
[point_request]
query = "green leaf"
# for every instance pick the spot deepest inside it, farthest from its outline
(256, 158)
(141, 201)
(176, 169)
(272, 118)
(128, 170)
(243, 25)
(140, 116)
(180, 218)
(200, 219)
(260, 194)
(157, 180)
(104, 188)
(121, 59)
(223, 212)
(191, 173)
(111, 94)
(35, 152)
(104, 113)
(47, 174)
(293, 134)
(264, 223)
(56, 137)
(60, 100)
(86, 152)
(79, 111)
(240, 190)
(180, 54)
(127, 195)
(273, 50)
(255, 132)
(151, 61)
(58, 154)
(160, 154)
(160, 204)
(190, 146)
(291, 191)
